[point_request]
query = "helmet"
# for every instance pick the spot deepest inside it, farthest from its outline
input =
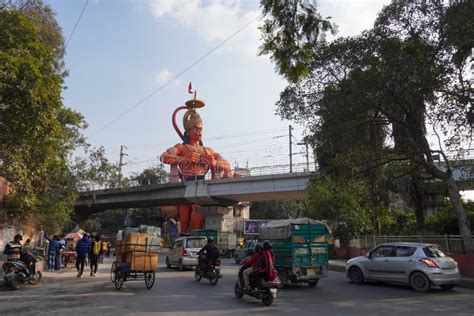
(18, 237)
(258, 247)
(210, 239)
(267, 244)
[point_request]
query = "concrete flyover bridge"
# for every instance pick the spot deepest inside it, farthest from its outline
(224, 192)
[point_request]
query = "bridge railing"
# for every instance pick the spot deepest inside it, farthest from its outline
(262, 171)
(447, 243)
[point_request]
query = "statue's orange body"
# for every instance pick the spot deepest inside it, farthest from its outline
(193, 161)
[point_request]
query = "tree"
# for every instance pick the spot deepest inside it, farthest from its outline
(409, 71)
(96, 171)
(46, 26)
(37, 132)
(276, 209)
(289, 33)
(341, 204)
(152, 175)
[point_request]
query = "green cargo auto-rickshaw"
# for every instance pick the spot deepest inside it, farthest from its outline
(300, 247)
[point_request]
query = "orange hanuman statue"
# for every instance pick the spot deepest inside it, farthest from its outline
(192, 160)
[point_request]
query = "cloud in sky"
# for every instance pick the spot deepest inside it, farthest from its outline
(163, 76)
(351, 16)
(213, 21)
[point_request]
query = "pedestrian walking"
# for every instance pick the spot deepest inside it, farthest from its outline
(109, 245)
(83, 247)
(53, 250)
(94, 255)
(103, 250)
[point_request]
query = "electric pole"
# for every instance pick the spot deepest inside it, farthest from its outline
(121, 163)
(291, 152)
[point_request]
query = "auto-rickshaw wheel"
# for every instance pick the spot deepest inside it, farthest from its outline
(313, 283)
(112, 271)
(149, 279)
(119, 278)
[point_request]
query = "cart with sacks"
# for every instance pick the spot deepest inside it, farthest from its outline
(136, 256)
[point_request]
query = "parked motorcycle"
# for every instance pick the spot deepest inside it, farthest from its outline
(22, 271)
(213, 273)
(261, 289)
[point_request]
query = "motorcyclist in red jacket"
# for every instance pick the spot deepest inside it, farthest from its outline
(251, 263)
(264, 268)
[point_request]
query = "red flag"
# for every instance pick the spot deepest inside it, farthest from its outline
(190, 88)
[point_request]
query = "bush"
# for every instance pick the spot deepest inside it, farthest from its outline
(445, 220)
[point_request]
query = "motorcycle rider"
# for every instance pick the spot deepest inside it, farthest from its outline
(264, 267)
(211, 252)
(249, 265)
(14, 248)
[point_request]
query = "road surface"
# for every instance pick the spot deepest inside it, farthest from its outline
(177, 293)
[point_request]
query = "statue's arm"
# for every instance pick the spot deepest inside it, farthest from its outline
(221, 163)
(172, 156)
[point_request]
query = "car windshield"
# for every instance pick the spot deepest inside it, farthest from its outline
(196, 242)
(433, 252)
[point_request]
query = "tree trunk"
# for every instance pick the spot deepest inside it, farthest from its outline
(463, 220)
(418, 199)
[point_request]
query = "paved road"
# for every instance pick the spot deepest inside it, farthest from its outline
(177, 293)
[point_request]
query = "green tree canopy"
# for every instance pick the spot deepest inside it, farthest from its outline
(37, 133)
(406, 72)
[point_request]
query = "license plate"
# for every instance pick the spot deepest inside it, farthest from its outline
(273, 292)
(310, 271)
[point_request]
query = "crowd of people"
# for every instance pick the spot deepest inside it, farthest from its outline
(89, 250)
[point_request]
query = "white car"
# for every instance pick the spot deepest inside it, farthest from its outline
(183, 252)
(416, 264)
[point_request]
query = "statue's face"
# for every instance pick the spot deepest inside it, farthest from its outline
(195, 133)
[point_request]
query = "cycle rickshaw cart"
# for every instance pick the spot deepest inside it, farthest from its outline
(136, 260)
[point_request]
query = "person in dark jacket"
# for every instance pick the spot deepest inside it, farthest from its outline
(14, 249)
(83, 247)
(264, 267)
(53, 251)
(211, 252)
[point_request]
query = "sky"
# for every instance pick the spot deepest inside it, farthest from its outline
(130, 62)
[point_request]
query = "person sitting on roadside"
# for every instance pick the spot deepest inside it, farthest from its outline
(211, 252)
(249, 265)
(83, 247)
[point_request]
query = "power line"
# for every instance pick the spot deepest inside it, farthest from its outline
(175, 77)
(206, 139)
(77, 23)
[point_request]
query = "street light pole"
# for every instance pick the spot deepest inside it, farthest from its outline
(291, 152)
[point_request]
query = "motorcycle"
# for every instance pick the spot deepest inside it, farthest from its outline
(263, 290)
(22, 271)
(213, 273)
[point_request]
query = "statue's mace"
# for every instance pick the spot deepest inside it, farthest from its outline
(190, 105)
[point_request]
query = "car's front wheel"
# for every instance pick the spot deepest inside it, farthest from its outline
(355, 275)
(420, 282)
